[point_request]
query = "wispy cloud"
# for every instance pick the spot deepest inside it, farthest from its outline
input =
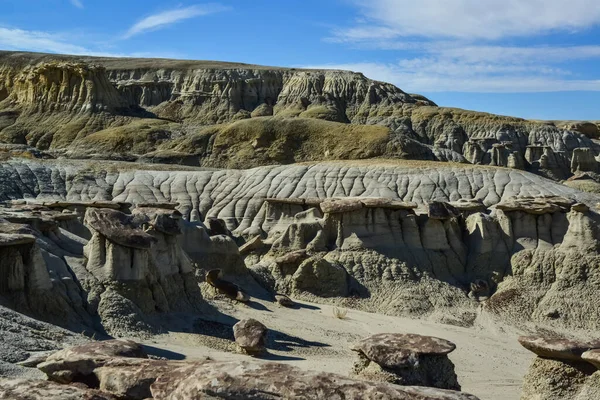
(469, 19)
(169, 17)
(440, 76)
(459, 45)
(18, 39)
(77, 3)
(48, 42)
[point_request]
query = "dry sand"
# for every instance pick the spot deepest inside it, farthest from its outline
(489, 361)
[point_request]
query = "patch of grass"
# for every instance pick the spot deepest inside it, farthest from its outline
(340, 313)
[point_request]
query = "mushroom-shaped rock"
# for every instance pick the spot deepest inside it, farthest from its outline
(251, 336)
(79, 362)
(406, 359)
(559, 349)
(441, 210)
(565, 369)
(118, 227)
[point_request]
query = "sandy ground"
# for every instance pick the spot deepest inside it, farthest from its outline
(489, 362)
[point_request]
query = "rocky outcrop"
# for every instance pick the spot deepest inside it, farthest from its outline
(254, 115)
(89, 267)
(406, 359)
(563, 369)
(130, 378)
(508, 240)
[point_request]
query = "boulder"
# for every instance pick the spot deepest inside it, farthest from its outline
(406, 359)
(267, 381)
(231, 290)
(25, 389)
(284, 301)
(251, 336)
(78, 363)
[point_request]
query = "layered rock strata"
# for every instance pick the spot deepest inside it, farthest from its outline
(235, 115)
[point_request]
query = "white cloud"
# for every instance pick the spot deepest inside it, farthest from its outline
(45, 42)
(165, 18)
(440, 75)
(18, 39)
(469, 19)
(77, 3)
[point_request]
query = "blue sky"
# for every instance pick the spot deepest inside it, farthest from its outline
(527, 58)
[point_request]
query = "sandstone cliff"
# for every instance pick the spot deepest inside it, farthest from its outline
(235, 115)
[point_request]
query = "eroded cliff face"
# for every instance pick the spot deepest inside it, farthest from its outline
(501, 242)
(202, 113)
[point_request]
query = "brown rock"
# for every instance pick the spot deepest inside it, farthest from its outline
(118, 227)
(284, 301)
(332, 206)
(217, 226)
(231, 290)
(383, 202)
(73, 363)
(251, 245)
(21, 389)
(396, 350)
(561, 349)
(251, 336)
(536, 205)
(267, 381)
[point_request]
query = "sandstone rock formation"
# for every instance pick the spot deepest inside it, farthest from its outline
(563, 369)
(347, 229)
(406, 359)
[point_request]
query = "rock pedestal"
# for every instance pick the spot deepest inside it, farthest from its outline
(406, 359)
(565, 369)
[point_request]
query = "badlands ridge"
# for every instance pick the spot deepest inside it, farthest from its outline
(349, 221)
